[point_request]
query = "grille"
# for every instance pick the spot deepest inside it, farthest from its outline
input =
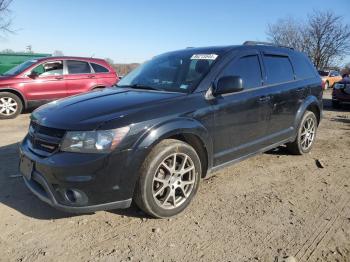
(43, 139)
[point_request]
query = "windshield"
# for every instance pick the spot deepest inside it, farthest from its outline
(20, 68)
(179, 71)
(323, 73)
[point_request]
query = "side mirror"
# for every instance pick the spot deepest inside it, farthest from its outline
(33, 75)
(228, 84)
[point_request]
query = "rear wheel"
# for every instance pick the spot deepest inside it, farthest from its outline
(169, 179)
(306, 135)
(10, 105)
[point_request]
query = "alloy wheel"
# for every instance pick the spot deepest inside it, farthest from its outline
(8, 106)
(307, 133)
(174, 181)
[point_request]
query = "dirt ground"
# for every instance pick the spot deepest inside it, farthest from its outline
(266, 208)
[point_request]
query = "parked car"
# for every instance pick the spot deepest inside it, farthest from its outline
(169, 123)
(39, 81)
(341, 93)
(329, 78)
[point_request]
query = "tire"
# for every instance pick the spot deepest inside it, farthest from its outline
(335, 104)
(10, 105)
(98, 88)
(326, 85)
(306, 135)
(160, 192)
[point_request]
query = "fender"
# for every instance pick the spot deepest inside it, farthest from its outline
(309, 101)
(21, 95)
(178, 126)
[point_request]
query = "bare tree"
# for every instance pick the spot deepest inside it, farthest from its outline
(5, 19)
(109, 61)
(323, 37)
(8, 51)
(58, 53)
(288, 32)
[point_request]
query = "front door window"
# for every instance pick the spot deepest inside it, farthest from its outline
(52, 68)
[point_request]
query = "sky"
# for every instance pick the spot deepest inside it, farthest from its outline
(135, 31)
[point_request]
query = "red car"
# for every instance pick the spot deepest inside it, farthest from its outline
(39, 81)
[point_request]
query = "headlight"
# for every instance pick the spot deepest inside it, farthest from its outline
(100, 141)
(338, 86)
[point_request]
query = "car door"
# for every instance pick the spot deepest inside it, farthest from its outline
(240, 118)
(45, 81)
(105, 77)
(285, 95)
(79, 77)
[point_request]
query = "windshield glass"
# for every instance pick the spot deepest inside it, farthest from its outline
(323, 73)
(178, 71)
(20, 68)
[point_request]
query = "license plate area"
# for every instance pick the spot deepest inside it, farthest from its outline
(26, 167)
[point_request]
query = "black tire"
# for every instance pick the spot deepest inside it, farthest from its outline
(296, 147)
(7, 99)
(145, 197)
(98, 88)
(335, 104)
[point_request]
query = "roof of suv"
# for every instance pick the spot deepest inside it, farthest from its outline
(224, 49)
(71, 58)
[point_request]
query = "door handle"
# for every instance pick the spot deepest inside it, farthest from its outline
(264, 99)
(59, 77)
(91, 76)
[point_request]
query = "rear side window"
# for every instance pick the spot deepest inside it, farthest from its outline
(98, 68)
(278, 69)
(78, 67)
(303, 68)
(248, 68)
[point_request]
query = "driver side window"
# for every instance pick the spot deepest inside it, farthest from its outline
(248, 69)
(52, 68)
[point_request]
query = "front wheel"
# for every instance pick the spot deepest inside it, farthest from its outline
(306, 135)
(10, 105)
(169, 179)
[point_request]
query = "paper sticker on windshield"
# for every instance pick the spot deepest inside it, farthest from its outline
(204, 56)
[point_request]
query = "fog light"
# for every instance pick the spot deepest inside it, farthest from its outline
(71, 196)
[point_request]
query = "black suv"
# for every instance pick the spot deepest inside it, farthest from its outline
(169, 123)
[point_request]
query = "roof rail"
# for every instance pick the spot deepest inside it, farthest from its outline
(265, 43)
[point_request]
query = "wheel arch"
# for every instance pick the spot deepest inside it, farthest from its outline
(311, 103)
(186, 130)
(17, 93)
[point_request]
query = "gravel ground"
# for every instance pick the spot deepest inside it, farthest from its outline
(266, 208)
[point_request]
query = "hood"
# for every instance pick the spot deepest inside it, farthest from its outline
(4, 79)
(91, 110)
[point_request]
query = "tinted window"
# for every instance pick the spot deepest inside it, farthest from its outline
(179, 71)
(52, 68)
(78, 67)
(303, 68)
(98, 68)
(278, 69)
(248, 68)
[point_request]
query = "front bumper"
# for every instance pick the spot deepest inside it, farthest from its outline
(98, 181)
(44, 193)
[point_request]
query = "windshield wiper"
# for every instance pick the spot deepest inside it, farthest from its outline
(138, 86)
